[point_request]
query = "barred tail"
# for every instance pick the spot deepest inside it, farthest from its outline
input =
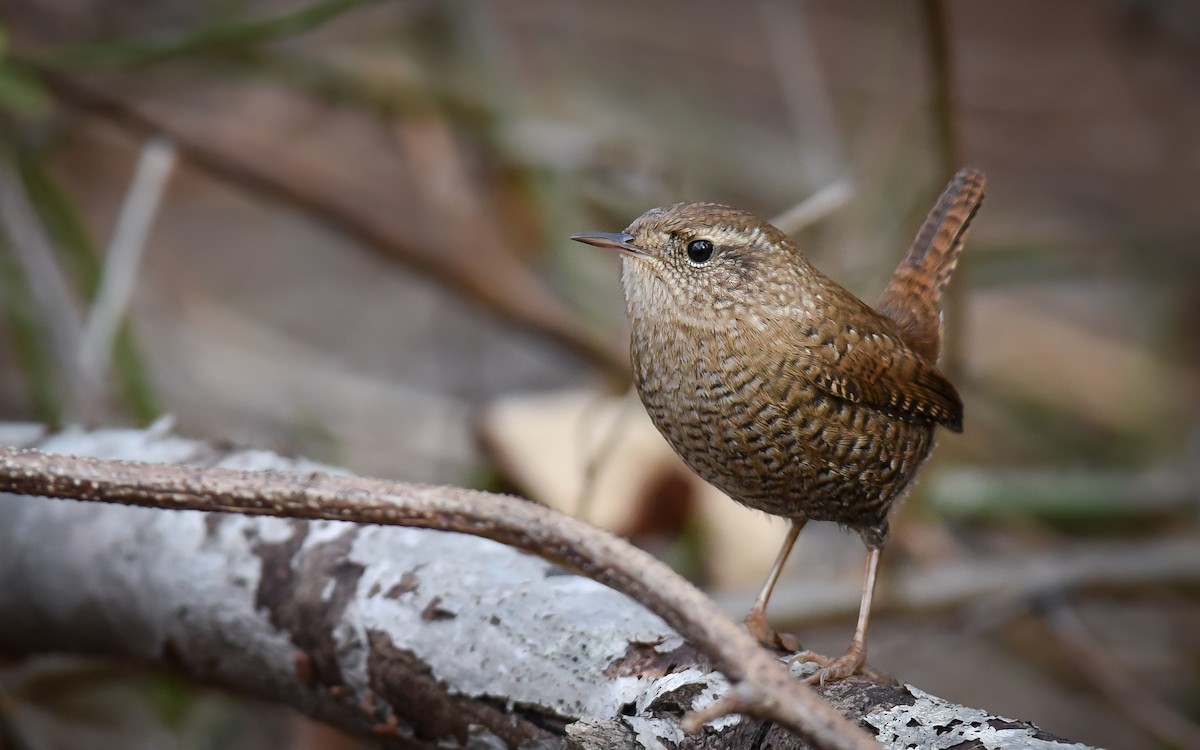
(913, 298)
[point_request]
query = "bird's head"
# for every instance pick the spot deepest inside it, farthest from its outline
(699, 260)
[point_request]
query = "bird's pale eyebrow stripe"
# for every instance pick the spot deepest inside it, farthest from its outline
(727, 235)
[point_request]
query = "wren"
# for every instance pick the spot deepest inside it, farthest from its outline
(780, 387)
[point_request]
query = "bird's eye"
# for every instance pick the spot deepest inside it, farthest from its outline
(699, 251)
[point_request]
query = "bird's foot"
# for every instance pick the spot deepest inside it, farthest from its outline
(849, 663)
(813, 657)
(756, 623)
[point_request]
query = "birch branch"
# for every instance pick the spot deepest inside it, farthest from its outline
(420, 636)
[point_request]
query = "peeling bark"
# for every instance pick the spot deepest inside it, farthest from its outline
(421, 638)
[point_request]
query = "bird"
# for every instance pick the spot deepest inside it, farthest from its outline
(780, 387)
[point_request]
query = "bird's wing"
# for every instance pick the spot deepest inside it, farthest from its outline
(877, 370)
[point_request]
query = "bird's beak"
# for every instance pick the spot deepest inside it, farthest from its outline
(616, 240)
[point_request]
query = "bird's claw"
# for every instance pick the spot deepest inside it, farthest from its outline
(846, 665)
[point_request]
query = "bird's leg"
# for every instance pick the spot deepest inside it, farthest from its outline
(851, 662)
(756, 620)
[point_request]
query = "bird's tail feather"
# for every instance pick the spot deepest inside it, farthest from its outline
(912, 300)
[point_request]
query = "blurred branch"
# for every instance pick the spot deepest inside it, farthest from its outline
(1091, 496)
(20, 92)
(941, 71)
(29, 346)
(11, 736)
(1116, 683)
(124, 257)
(131, 52)
(815, 207)
(507, 287)
(802, 84)
(394, 96)
(82, 261)
(1000, 581)
(49, 294)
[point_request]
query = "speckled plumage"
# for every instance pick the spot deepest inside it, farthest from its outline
(771, 381)
(774, 383)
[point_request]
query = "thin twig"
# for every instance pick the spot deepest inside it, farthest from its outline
(815, 207)
(764, 687)
(124, 257)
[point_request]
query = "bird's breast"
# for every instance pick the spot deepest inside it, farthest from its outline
(724, 400)
(717, 401)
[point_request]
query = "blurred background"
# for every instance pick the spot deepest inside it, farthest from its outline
(337, 228)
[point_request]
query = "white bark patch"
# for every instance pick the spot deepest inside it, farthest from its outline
(505, 651)
(935, 724)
